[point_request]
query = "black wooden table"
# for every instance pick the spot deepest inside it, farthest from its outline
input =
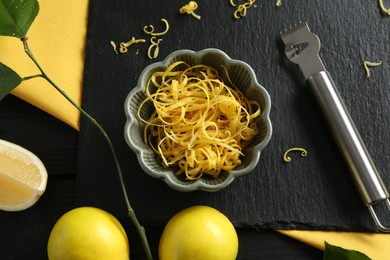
(24, 234)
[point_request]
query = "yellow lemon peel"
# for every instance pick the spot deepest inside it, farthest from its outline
(151, 29)
(287, 158)
(154, 41)
(124, 45)
(242, 8)
(232, 3)
(189, 9)
(154, 45)
(114, 46)
(383, 8)
(368, 64)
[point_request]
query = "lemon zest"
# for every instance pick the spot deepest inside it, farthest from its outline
(122, 49)
(189, 9)
(124, 45)
(114, 46)
(278, 3)
(150, 31)
(199, 124)
(154, 45)
(383, 8)
(132, 41)
(232, 3)
(242, 8)
(287, 158)
(368, 64)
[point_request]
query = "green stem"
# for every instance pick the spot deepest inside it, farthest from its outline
(140, 229)
(32, 77)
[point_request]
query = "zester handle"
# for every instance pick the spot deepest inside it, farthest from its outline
(348, 139)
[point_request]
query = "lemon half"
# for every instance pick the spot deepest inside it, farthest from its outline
(23, 177)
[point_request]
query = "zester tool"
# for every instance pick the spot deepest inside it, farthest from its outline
(302, 47)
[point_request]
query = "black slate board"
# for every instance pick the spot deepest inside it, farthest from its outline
(315, 192)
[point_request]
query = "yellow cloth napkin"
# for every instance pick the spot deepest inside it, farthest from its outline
(57, 38)
(374, 245)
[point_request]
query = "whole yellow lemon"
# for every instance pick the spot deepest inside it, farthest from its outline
(199, 232)
(88, 233)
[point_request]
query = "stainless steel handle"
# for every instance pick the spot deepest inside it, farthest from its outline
(365, 174)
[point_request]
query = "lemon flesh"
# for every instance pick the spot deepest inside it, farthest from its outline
(23, 177)
(199, 232)
(88, 233)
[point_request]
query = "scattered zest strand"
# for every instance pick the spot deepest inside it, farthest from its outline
(368, 64)
(382, 6)
(154, 45)
(114, 46)
(278, 3)
(154, 42)
(287, 158)
(151, 30)
(124, 45)
(242, 8)
(189, 9)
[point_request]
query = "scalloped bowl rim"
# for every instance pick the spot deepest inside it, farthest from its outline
(198, 184)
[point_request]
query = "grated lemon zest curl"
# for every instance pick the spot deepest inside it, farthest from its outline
(368, 64)
(124, 45)
(242, 8)
(189, 9)
(154, 45)
(383, 8)
(114, 46)
(149, 29)
(288, 159)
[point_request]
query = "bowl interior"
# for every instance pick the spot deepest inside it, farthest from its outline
(241, 75)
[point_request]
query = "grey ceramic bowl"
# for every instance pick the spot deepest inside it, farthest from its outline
(242, 76)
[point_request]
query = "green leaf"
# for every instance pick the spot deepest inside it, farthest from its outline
(9, 80)
(339, 253)
(16, 17)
